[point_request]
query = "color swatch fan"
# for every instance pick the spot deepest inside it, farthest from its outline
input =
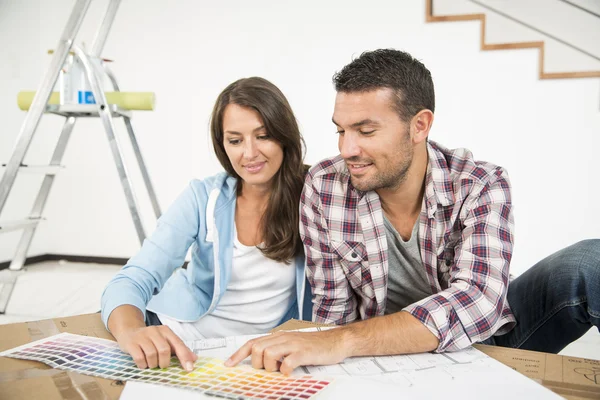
(100, 357)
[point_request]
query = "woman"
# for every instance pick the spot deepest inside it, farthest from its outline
(246, 275)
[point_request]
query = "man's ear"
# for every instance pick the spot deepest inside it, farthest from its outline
(420, 125)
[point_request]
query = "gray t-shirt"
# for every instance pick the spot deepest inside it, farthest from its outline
(407, 279)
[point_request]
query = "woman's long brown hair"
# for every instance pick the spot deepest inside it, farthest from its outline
(279, 223)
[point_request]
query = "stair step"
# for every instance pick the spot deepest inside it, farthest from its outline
(566, 35)
(8, 226)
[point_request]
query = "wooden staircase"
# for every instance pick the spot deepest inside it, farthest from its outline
(507, 46)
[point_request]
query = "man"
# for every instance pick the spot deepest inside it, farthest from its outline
(416, 240)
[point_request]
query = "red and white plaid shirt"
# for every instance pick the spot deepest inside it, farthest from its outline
(465, 236)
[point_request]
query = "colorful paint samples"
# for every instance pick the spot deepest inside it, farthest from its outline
(100, 357)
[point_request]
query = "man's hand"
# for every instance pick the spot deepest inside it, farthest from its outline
(398, 333)
(285, 351)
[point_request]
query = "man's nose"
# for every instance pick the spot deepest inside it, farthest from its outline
(348, 146)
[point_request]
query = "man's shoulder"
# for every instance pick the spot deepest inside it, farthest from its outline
(333, 168)
(459, 165)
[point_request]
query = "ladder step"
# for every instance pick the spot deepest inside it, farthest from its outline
(39, 169)
(8, 226)
(85, 110)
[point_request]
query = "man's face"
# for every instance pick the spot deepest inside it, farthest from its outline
(373, 140)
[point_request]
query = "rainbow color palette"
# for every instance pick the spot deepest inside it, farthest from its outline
(103, 358)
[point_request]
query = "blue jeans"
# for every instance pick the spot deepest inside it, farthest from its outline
(556, 301)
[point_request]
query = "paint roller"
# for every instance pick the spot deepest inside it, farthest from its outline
(127, 100)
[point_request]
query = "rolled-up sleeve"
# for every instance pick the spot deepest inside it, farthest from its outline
(145, 274)
(334, 301)
(470, 310)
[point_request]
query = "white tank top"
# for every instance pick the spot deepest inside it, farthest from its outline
(258, 295)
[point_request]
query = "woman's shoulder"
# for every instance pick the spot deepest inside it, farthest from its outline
(221, 185)
(222, 181)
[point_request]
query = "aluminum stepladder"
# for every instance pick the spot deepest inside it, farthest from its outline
(106, 112)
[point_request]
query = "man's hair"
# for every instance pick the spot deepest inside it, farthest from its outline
(388, 68)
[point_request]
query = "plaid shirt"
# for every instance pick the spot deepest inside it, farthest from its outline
(465, 237)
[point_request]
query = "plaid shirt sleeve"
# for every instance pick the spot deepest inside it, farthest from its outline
(334, 301)
(470, 310)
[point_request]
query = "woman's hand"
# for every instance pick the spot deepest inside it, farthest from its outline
(150, 346)
(153, 346)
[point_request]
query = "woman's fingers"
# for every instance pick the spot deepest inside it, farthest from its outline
(184, 354)
(153, 346)
(138, 356)
(149, 350)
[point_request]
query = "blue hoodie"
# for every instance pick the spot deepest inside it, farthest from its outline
(201, 217)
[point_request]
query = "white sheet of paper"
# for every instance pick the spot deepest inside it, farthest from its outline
(464, 375)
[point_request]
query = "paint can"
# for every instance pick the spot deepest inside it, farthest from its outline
(74, 86)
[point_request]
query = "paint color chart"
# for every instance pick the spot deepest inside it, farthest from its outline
(103, 358)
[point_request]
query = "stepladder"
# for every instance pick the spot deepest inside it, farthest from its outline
(98, 107)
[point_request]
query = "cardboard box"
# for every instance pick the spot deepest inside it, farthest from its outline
(573, 378)
(22, 379)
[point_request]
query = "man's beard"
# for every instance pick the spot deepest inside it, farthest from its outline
(390, 178)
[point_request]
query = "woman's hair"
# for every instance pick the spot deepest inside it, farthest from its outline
(279, 223)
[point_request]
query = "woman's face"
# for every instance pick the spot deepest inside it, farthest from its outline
(254, 155)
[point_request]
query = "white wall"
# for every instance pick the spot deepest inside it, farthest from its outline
(546, 133)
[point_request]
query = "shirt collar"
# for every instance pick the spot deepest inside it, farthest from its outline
(439, 188)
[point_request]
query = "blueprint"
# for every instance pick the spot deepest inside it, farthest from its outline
(467, 374)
